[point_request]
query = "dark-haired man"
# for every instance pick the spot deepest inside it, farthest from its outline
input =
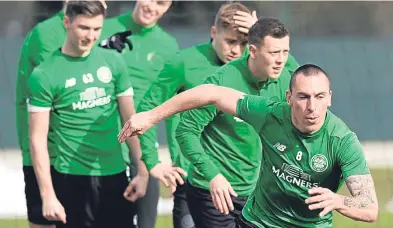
(75, 100)
(223, 150)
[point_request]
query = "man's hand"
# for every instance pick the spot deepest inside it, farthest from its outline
(137, 124)
(52, 209)
(221, 191)
(323, 198)
(165, 172)
(245, 20)
(117, 41)
(136, 188)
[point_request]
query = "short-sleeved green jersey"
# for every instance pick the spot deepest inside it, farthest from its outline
(82, 94)
(39, 44)
(151, 47)
(294, 162)
(184, 71)
(218, 143)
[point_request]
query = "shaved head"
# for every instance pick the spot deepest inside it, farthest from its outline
(307, 70)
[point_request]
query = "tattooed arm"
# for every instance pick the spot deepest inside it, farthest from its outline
(363, 205)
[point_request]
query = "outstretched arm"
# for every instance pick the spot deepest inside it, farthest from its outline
(223, 98)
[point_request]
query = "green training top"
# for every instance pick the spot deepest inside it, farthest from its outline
(294, 162)
(151, 47)
(82, 94)
(184, 71)
(218, 143)
(39, 44)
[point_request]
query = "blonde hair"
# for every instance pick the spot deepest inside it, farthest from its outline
(224, 17)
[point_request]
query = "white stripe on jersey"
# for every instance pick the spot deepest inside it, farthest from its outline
(33, 108)
(129, 93)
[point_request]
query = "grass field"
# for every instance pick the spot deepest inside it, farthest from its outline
(383, 179)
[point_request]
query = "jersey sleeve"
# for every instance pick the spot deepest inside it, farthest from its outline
(188, 134)
(254, 109)
(39, 47)
(174, 148)
(166, 85)
(21, 94)
(351, 157)
(40, 91)
(24, 70)
(122, 81)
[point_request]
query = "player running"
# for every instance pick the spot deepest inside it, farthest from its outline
(307, 152)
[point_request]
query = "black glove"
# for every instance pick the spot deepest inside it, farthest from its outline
(117, 41)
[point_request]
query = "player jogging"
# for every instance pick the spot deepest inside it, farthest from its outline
(307, 152)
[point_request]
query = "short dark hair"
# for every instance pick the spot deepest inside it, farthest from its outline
(76, 8)
(266, 26)
(306, 70)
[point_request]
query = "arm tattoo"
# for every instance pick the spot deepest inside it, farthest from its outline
(362, 189)
(349, 202)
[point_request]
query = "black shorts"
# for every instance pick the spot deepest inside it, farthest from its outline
(205, 215)
(95, 201)
(33, 197)
(243, 223)
(180, 213)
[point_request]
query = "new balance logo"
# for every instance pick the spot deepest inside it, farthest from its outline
(70, 82)
(280, 147)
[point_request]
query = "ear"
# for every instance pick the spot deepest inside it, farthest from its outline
(66, 22)
(252, 50)
(213, 32)
(330, 99)
(288, 95)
